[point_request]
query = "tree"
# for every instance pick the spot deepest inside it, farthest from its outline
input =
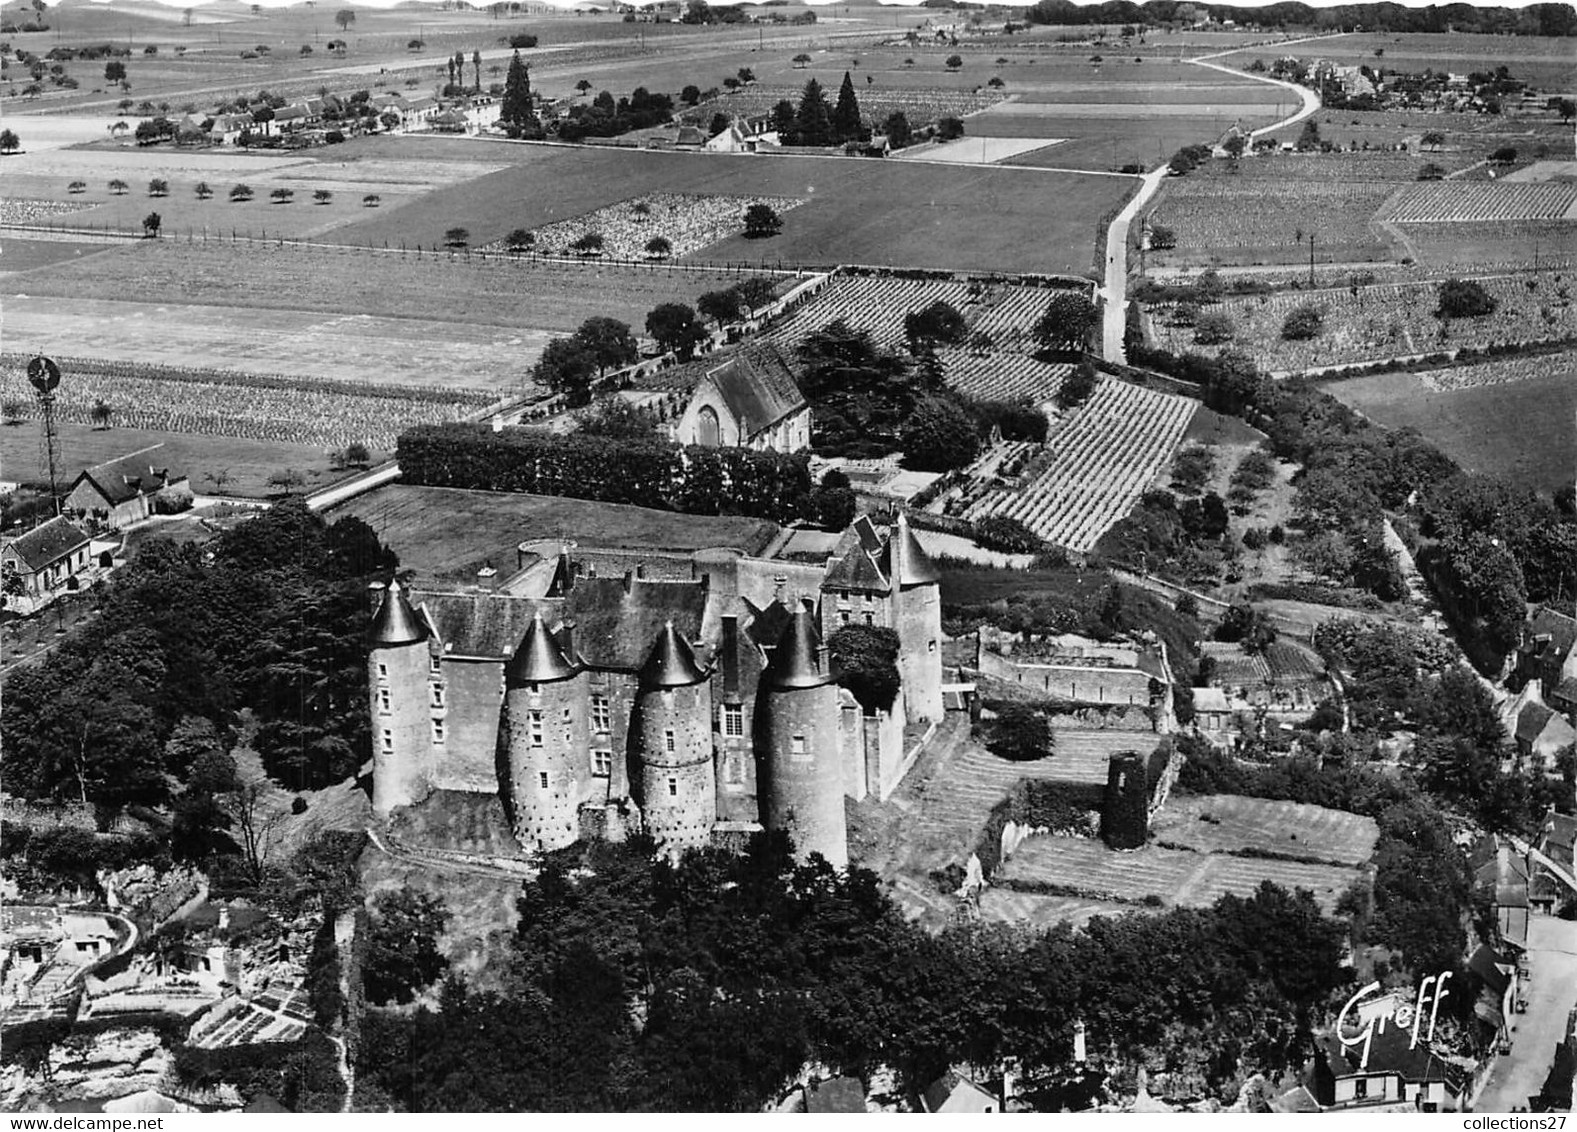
(1213, 328)
(1302, 323)
(1310, 137)
(9, 141)
(566, 367)
(866, 659)
(589, 244)
(937, 323)
(846, 125)
(801, 61)
(949, 128)
(608, 341)
(476, 69)
(519, 241)
(1066, 323)
(323, 196)
(954, 62)
(203, 190)
(371, 200)
(659, 247)
(1162, 238)
(1432, 172)
(1464, 298)
(402, 951)
(118, 187)
(1234, 145)
(813, 119)
(939, 436)
(1019, 732)
(721, 307)
(1433, 140)
(158, 187)
(283, 195)
(115, 71)
(388, 120)
(761, 221)
(1504, 155)
(13, 410)
(344, 18)
(457, 238)
(517, 108)
(241, 193)
(102, 412)
(896, 127)
(783, 122)
(674, 326)
(151, 225)
(1077, 386)
(584, 85)
(616, 419)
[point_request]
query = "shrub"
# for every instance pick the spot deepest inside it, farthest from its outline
(1464, 298)
(1302, 323)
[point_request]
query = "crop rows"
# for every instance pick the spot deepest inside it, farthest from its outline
(304, 415)
(1501, 372)
(1483, 200)
(1211, 212)
(1393, 320)
(688, 221)
(1102, 459)
(999, 376)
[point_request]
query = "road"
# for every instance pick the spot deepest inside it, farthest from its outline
(1552, 964)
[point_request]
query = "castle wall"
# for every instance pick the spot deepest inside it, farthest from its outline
(546, 740)
(671, 735)
(402, 739)
(801, 769)
(917, 616)
(473, 694)
(1084, 684)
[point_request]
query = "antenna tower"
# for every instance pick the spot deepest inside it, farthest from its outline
(44, 375)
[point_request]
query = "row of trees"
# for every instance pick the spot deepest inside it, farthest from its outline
(705, 985)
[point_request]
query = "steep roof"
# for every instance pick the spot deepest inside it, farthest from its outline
(1560, 628)
(477, 624)
(909, 564)
(618, 618)
(856, 570)
(539, 659)
(671, 663)
(129, 476)
(758, 387)
(1389, 1052)
(796, 659)
(1531, 721)
(395, 623)
(48, 543)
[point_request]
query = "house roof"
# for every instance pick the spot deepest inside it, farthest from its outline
(1531, 721)
(758, 387)
(617, 619)
(840, 1094)
(395, 623)
(671, 663)
(1390, 1051)
(690, 135)
(908, 563)
(1561, 829)
(1210, 699)
(945, 1087)
(1566, 690)
(48, 543)
(1560, 628)
(129, 476)
(1295, 1100)
(856, 570)
(1490, 966)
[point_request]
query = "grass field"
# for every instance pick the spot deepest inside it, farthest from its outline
(938, 216)
(24, 255)
(1522, 430)
(447, 533)
(248, 463)
(1257, 824)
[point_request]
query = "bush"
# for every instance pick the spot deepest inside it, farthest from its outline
(1302, 323)
(1006, 534)
(172, 501)
(1464, 298)
(1213, 328)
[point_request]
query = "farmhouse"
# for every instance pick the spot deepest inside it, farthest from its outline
(1398, 1077)
(45, 560)
(750, 401)
(228, 128)
(953, 1092)
(693, 708)
(1541, 735)
(1546, 653)
(121, 491)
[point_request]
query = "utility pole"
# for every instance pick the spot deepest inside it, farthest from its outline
(1311, 261)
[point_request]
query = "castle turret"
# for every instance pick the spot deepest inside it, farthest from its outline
(543, 731)
(917, 617)
(797, 716)
(402, 728)
(672, 743)
(1125, 812)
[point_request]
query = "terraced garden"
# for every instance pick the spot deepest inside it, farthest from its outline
(1102, 458)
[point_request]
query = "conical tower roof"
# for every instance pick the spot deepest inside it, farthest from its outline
(796, 660)
(671, 663)
(395, 623)
(909, 563)
(538, 659)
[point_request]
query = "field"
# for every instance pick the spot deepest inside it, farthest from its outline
(688, 223)
(1392, 321)
(1544, 62)
(1259, 825)
(246, 464)
(1521, 430)
(1100, 459)
(939, 216)
(1483, 200)
(447, 533)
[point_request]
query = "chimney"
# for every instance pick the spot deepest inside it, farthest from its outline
(224, 918)
(1079, 1054)
(778, 585)
(730, 654)
(567, 640)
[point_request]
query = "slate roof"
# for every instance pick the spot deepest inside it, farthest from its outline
(671, 663)
(1532, 720)
(766, 622)
(940, 1091)
(1487, 964)
(539, 659)
(617, 619)
(1565, 691)
(396, 623)
(129, 476)
(477, 624)
(1389, 1053)
(908, 563)
(796, 658)
(856, 570)
(1562, 630)
(48, 543)
(758, 387)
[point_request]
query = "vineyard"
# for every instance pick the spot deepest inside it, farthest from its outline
(1099, 462)
(1217, 212)
(998, 376)
(250, 406)
(688, 221)
(1484, 200)
(1390, 320)
(1501, 372)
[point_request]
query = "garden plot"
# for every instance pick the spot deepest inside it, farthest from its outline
(1229, 823)
(687, 221)
(1494, 373)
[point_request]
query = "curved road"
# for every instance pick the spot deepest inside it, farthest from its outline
(1113, 293)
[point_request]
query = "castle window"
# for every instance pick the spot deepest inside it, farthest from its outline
(797, 746)
(542, 779)
(602, 763)
(930, 646)
(843, 617)
(600, 715)
(433, 663)
(869, 620)
(733, 720)
(438, 731)
(383, 671)
(388, 740)
(669, 743)
(438, 695)
(383, 700)
(673, 787)
(566, 715)
(536, 728)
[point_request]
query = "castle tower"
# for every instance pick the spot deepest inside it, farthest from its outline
(1125, 813)
(671, 736)
(397, 676)
(542, 729)
(800, 779)
(917, 617)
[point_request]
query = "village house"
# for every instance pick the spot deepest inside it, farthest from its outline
(1500, 880)
(417, 113)
(749, 401)
(1556, 844)
(121, 491)
(1541, 734)
(35, 566)
(953, 1092)
(1399, 1076)
(228, 128)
